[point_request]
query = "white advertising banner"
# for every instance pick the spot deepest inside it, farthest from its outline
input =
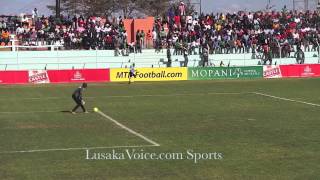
(38, 76)
(272, 71)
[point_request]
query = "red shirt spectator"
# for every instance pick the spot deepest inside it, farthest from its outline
(177, 20)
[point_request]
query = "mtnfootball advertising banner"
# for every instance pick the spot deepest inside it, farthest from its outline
(38, 76)
(272, 71)
(150, 74)
(208, 73)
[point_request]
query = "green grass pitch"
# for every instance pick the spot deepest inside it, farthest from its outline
(259, 137)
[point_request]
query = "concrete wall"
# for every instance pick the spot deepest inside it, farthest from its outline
(25, 60)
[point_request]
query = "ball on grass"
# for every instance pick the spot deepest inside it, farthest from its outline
(95, 109)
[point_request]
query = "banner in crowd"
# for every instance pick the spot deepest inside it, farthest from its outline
(13, 77)
(207, 73)
(304, 70)
(150, 74)
(272, 71)
(79, 75)
(38, 76)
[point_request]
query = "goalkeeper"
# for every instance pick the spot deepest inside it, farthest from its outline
(77, 97)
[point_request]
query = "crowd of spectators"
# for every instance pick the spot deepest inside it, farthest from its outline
(273, 33)
(277, 34)
(75, 32)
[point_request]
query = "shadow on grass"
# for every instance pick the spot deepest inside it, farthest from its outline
(64, 111)
(69, 112)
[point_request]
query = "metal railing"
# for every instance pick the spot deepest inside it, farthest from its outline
(16, 48)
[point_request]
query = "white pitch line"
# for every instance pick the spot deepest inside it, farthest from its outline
(127, 96)
(72, 149)
(128, 129)
(286, 99)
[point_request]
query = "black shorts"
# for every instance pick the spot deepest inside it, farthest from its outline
(77, 100)
(131, 74)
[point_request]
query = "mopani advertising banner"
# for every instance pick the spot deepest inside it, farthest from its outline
(150, 74)
(208, 73)
(304, 70)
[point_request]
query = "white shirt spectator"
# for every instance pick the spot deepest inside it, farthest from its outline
(98, 29)
(34, 13)
(190, 27)
(296, 35)
(174, 39)
(193, 44)
(250, 17)
(268, 31)
(71, 35)
(125, 34)
(189, 19)
(307, 29)
(154, 35)
(107, 28)
(182, 9)
(207, 27)
(25, 19)
(19, 30)
(195, 22)
(98, 19)
(3, 25)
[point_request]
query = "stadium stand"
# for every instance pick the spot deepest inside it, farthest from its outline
(244, 36)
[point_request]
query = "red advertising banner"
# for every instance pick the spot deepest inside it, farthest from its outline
(14, 77)
(303, 70)
(79, 75)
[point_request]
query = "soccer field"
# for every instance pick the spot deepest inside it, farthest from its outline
(235, 129)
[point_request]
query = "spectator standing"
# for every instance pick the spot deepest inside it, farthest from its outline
(205, 55)
(143, 37)
(267, 54)
(34, 15)
(299, 55)
(149, 38)
(5, 36)
(169, 56)
(154, 37)
(185, 56)
(138, 42)
(24, 20)
(182, 9)
(3, 25)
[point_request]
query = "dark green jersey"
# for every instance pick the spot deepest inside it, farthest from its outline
(78, 93)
